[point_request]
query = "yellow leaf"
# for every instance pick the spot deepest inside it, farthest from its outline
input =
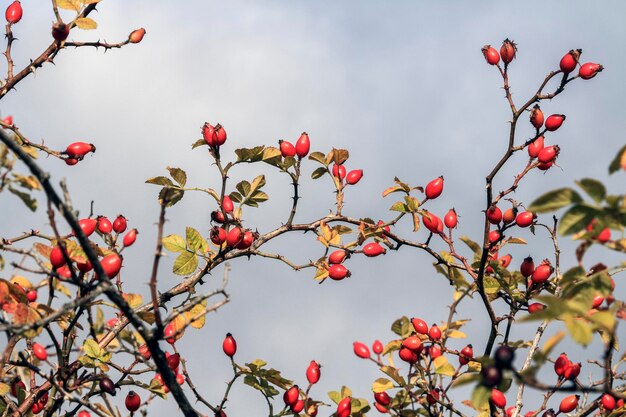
(22, 282)
(196, 316)
(86, 23)
(456, 334)
(382, 384)
(69, 4)
(133, 300)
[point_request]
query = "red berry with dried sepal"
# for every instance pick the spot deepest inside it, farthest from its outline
(491, 55)
(120, 224)
(525, 218)
(535, 147)
(218, 235)
(451, 219)
(554, 121)
(354, 176)
(419, 325)
(508, 51)
(570, 60)
(60, 31)
(136, 35)
(338, 272)
(434, 188)
(286, 148)
(589, 70)
(246, 240)
(104, 225)
(434, 333)
(132, 401)
(432, 222)
(303, 145)
(217, 216)
(229, 345)
(361, 350)
(536, 117)
(78, 150)
(494, 215)
(560, 364)
(373, 249)
(527, 267)
(234, 236)
(432, 396)
(542, 273)
(466, 354)
(313, 372)
(568, 404)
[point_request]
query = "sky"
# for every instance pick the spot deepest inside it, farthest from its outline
(401, 84)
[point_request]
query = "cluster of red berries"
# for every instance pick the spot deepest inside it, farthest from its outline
(301, 148)
(173, 362)
(214, 136)
(352, 177)
(338, 272)
(75, 152)
(235, 237)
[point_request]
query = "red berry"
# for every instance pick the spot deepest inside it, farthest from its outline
(434, 333)
(337, 257)
(234, 236)
(287, 149)
(84, 413)
(408, 355)
(373, 249)
(466, 354)
(536, 117)
(132, 402)
(169, 333)
(246, 240)
(569, 61)
(56, 257)
(104, 225)
(88, 226)
(434, 188)
(36, 407)
(494, 215)
(560, 364)
(217, 216)
(208, 133)
(111, 264)
(433, 396)
(432, 222)
(589, 70)
(434, 351)
(354, 176)
(545, 165)
(490, 54)
(413, 342)
(420, 326)
(608, 402)
(130, 237)
(70, 161)
(525, 219)
(84, 267)
(339, 171)
(291, 395)
(227, 204)
(218, 235)
(361, 350)
(298, 406)
(60, 31)
(382, 398)
(14, 12)
(572, 370)
(219, 135)
(535, 307)
(64, 272)
(313, 372)
(32, 296)
(338, 272)
(144, 352)
(568, 404)
(542, 273)
(605, 235)
(497, 398)
(451, 219)
(535, 147)
(494, 236)
(597, 301)
(78, 150)
(509, 215)
(229, 345)
(554, 121)
(120, 224)
(303, 145)
(505, 261)
(180, 379)
(527, 267)
(111, 323)
(173, 361)
(40, 352)
(136, 35)
(377, 347)
(380, 408)
(344, 407)
(507, 51)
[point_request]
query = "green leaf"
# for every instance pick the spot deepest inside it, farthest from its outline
(160, 180)
(340, 156)
(319, 157)
(576, 219)
(179, 175)
(319, 172)
(92, 349)
(554, 200)
(579, 329)
(272, 156)
(198, 143)
(26, 198)
(475, 247)
(174, 243)
(594, 188)
(86, 23)
(250, 155)
(617, 161)
(443, 367)
(480, 396)
(185, 264)
(399, 206)
(195, 241)
(394, 374)
(171, 195)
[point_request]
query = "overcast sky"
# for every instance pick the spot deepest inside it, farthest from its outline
(401, 84)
